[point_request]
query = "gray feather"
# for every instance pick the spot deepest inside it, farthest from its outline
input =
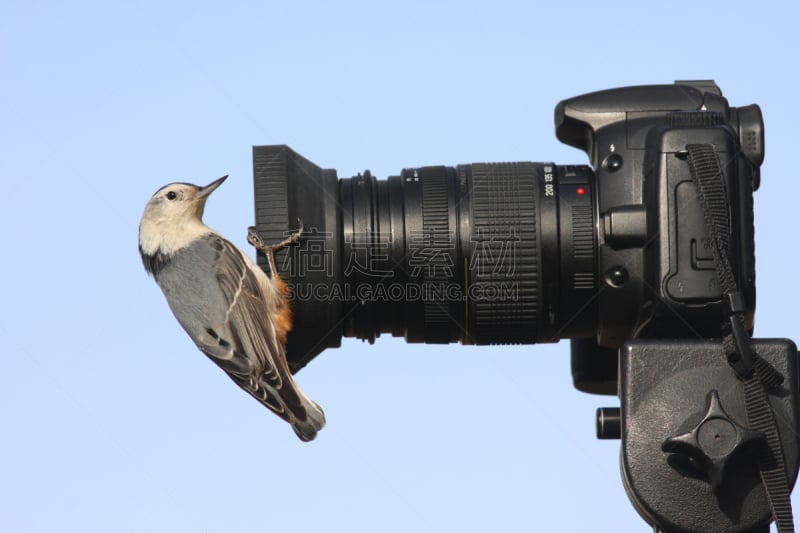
(217, 299)
(153, 263)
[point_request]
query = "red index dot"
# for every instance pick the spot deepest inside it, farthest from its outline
(580, 190)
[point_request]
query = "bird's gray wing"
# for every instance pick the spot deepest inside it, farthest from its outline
(228, 314)
(249, 320)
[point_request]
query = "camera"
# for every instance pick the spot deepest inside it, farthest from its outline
(616, 256)
(504, 253)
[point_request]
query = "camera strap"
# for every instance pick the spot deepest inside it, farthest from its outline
(757, 375)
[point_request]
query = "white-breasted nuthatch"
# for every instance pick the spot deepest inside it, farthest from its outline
(233, 312)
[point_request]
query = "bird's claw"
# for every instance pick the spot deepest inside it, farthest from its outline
(255, 239)
(295, 236)
(269, 249)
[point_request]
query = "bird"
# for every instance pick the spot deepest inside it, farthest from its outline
(235, 314)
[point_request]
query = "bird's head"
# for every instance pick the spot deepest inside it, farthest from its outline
(173, 216)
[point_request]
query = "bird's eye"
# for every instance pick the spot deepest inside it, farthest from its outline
(171, 195)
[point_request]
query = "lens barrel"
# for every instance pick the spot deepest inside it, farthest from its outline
(487, 253)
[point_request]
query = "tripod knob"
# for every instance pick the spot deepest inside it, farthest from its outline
(715, 442)
(608, 423)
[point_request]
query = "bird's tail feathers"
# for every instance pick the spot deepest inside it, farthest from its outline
(307, 427)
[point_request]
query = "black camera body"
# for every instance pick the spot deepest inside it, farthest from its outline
(617, 257)
(654, 258)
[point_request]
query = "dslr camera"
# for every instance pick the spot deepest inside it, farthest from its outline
(645, 260)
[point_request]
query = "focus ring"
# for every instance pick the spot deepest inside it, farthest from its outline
(504, 267)
(438, 243)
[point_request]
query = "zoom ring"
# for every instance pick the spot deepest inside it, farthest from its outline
(504, 267)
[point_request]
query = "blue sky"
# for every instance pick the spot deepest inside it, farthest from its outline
(113, 421)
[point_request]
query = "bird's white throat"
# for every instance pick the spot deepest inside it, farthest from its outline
(169, 236)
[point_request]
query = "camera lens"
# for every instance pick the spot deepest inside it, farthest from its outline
(483, 253)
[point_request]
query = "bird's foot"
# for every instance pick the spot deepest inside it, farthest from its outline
(255, 239)
(269, 249)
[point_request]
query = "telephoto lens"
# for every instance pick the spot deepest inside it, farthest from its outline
(482, 253)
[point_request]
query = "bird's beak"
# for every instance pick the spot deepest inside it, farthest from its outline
(211, 187)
